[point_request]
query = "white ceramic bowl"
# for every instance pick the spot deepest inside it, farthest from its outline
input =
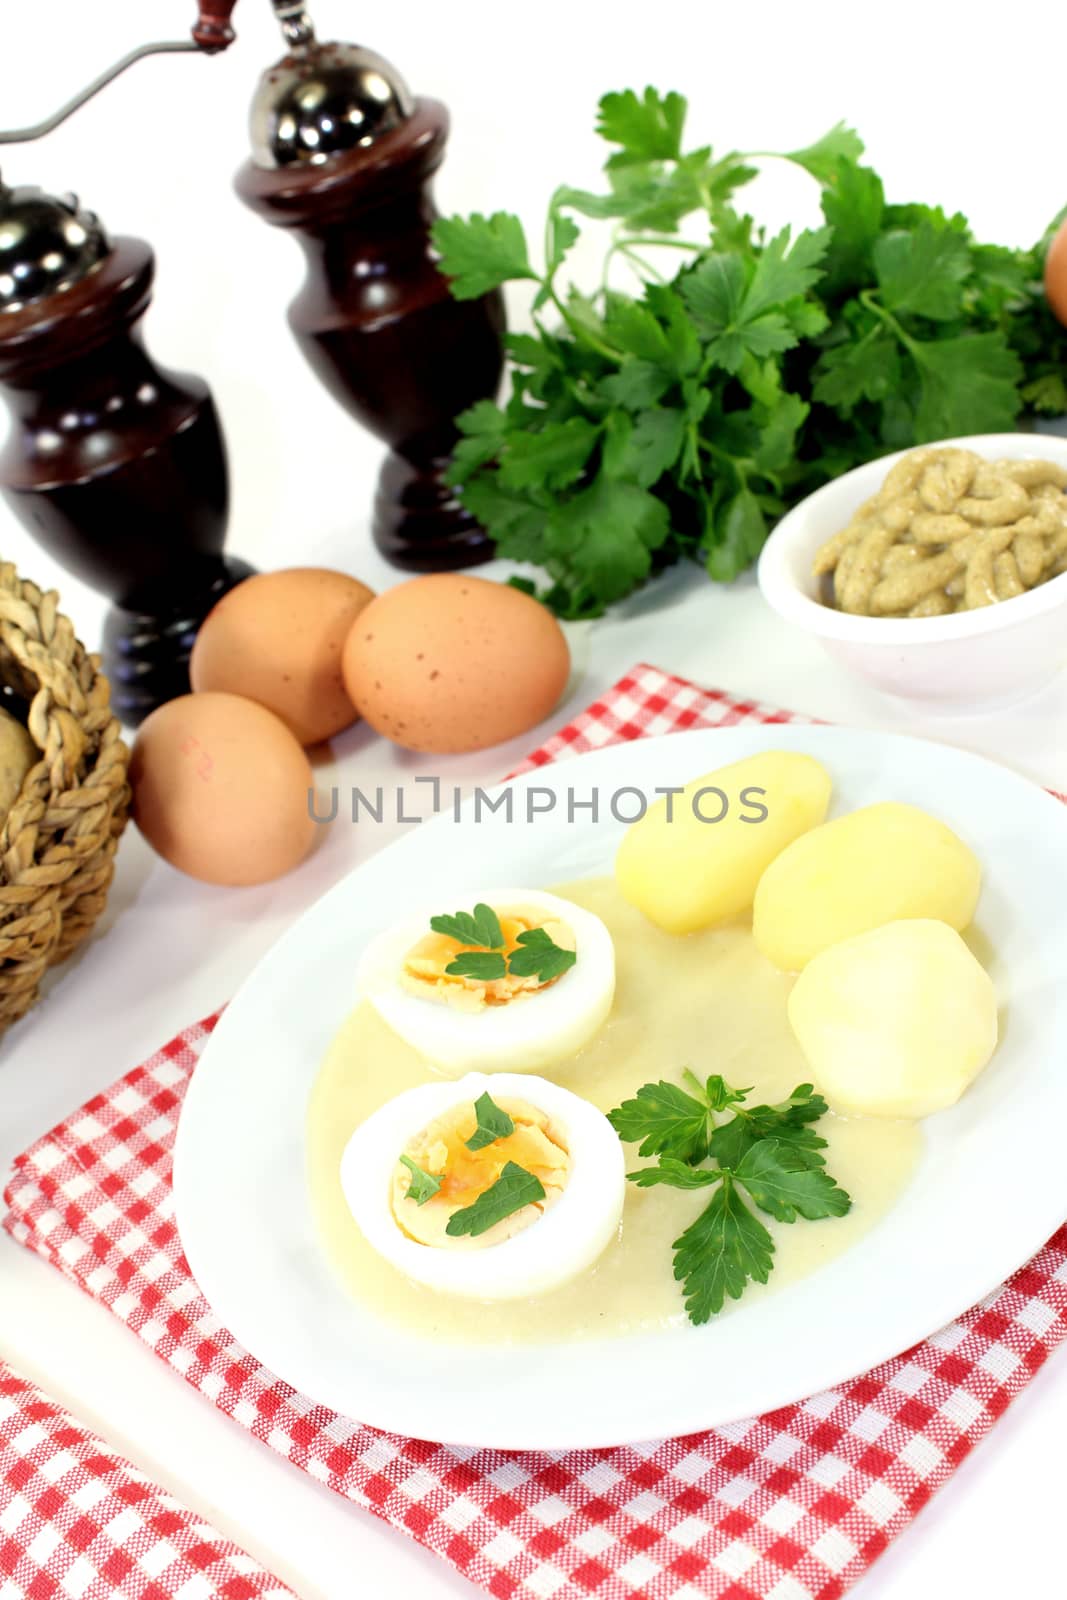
(970, 661)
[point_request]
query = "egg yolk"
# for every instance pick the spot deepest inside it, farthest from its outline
(441, 1149)
(424, 972)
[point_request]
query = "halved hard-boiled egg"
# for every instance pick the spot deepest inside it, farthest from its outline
(492, 1187)
(515, 981)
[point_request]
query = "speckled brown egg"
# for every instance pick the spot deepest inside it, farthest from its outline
(220, 789)
(277, 639)
(449, 662)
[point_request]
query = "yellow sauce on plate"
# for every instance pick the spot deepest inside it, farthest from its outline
(709, 1001)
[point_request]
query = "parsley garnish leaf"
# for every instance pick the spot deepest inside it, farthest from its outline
(678, 1174)
(482, 929)
(485, 966)
(769, 1151)
(424, 1185)
(720, 1253)
(539, 957)
(787, 1121)
(668, 1122)
(493, 1124)
(513, 1190)
(785, 1185)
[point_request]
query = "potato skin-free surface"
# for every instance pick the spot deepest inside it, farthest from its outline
(685, 873)
(880, 864)
(896, 1022)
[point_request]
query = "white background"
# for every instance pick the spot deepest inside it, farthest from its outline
(958, 108)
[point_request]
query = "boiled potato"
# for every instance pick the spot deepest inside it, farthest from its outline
(694, 858)
(872, 866)
(896, 1022)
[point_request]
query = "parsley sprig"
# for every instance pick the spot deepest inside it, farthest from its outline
(513, 1190)
(767, 1153)
(538, 956)
(493, 1123)
(682, 418)
(424, 1185)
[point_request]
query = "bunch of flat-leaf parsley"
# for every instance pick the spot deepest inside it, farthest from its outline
(685, 419)
(768, 1153)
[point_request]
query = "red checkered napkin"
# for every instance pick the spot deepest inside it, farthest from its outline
(790, 1506)
(77, 1522)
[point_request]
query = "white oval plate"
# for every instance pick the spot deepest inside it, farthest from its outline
(987, 1193)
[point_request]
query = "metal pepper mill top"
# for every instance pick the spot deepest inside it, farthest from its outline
(343, 154)
(322, 100)
(46, 245)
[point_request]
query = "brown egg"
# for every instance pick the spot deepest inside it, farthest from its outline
(447, 663)
(1056, 273)
(220, 789)
(277, 638)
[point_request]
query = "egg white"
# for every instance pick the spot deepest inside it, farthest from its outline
(525, 1035)
(548, 1252)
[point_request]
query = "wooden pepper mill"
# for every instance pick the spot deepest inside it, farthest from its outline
(344, 156)
(115, 465)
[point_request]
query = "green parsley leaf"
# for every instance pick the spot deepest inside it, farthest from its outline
(483, 426)
(540, 957)
(678, 1174)
(666, 1120)
(554, 455)
(648, 447)
(684, 354)
(716, 1093)
(787, 1122)
(606, 533)
(783, 273)
(736, 312)
(1047, 394)
(480, 253)
(869, 370)
(842, 143)
(715, 293)
(922, 271)
(493, 1124)
(647, 129)
(784, 1184)
(854, 206)
(967, 385)
(739, 534)
(636, 385)
(424, 1185)
(482, 965)
(513, 1190)
(719, 1254)
(778, 435)
(482, 929)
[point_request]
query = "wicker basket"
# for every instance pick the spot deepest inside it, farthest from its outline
(57, 843)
